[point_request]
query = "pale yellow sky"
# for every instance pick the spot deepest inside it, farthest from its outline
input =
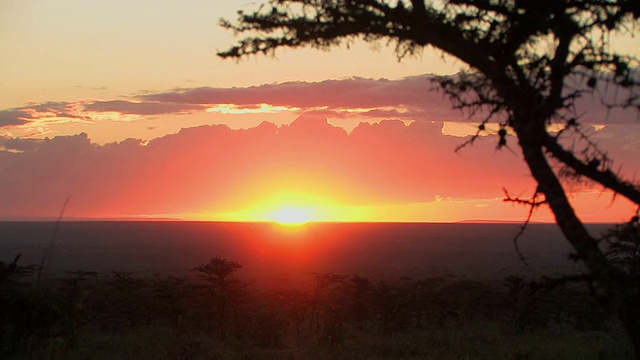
(64, 50)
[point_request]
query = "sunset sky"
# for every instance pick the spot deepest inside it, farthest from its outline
(124, 108)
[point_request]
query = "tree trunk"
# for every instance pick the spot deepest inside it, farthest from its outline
(629, 314)
(616, 288)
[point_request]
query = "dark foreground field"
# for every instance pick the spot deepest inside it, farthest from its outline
(163, 290)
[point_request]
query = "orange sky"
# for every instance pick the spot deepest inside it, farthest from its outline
(124, 108)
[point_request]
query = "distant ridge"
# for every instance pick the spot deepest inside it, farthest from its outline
(520, 222)
(481, 221)
(68, 219)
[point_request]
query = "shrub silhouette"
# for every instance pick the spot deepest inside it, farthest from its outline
(220, 287)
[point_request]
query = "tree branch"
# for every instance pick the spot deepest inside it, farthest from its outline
(607, 177)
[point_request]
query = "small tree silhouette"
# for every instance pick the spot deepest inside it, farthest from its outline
(323, 312)
(358, 289)
(219, 285)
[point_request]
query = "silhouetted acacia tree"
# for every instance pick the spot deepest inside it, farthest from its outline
(220, 284)
(357, 289)
(529, 61)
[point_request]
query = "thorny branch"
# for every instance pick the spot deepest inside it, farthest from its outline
(532, 203)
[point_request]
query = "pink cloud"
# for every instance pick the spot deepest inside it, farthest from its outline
(221, 169)
(412, 98)
(33, 112)
(412, 92)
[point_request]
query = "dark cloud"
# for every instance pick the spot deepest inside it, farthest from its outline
(409, 93)
(19, 145)
(412, 98)
(141, 108)
(408, 99)
(12, 117)
(26, 114)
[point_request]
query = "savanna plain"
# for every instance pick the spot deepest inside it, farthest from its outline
(206, 290)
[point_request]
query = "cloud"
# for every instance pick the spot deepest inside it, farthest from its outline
(408, 99)
(19, 145)
(219, 169)
(51, 111)
(411, 98)
(141, 108)
(215, 169)
(12, 117)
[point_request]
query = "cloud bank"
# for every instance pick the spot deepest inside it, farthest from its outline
(407, 99)
(401, 157)
(216, 169)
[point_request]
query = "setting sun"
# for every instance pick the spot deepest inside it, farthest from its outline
(292, 215)
(291, 208)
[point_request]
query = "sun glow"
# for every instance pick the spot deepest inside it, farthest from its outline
(250, 109)
(290, 208)
(295, 208)
(292, 215)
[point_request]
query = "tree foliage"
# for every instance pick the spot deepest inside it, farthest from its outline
(529, 61)
(623, 247)
(220, 286)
